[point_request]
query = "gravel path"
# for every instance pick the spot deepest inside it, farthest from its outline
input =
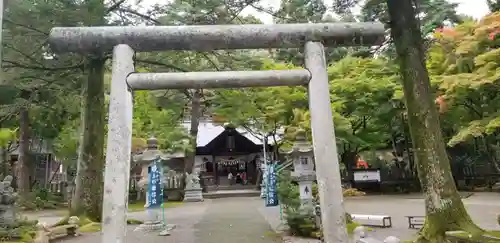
(235, 220)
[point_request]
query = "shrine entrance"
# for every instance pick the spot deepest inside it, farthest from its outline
(231, 152)
(124, 41)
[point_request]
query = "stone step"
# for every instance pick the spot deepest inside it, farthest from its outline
(230, 187)
(231, 193)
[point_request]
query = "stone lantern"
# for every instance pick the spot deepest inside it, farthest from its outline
(148, 159)
(302, 156)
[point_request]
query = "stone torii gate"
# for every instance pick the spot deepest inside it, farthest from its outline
(125, 41)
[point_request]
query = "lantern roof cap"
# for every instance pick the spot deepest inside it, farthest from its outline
(301, 144)
(152, 143)
(153, 153)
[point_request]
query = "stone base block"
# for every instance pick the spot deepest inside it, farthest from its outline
(150, 226)
(193, 195)
(167, 230)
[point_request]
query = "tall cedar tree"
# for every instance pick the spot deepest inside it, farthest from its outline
(444, 208)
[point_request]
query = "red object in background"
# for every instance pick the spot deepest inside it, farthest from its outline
(442, 103)
(494, 34)
(361, 164)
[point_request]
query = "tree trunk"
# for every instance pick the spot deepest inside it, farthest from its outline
(348, 158)
(87, 197)
(5, 161)
(444, 208)
(193, 131)
(23, 160)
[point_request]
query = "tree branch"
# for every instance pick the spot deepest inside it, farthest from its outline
(25, 66)
(130, 11)
(171, 66)
(261, 9)
(29, 57)
(237, 13)
(210, 61)
(115, 6)
(25, 26)
(470, 106)
(151, 62)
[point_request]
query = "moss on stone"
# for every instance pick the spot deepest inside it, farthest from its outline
(134, 221)
(90, 227)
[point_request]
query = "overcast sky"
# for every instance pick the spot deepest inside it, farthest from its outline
(474, 8)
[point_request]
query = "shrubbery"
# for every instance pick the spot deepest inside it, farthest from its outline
(302, 222)
(22, 230)
(353, 192)
(42, 198)
(349, 192)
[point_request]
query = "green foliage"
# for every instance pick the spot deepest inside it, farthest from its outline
(152, 120)
(91, 227)
(362, 92)
(353, 192)
(257, 112)
(300, 222)
(20, 231)
(41, 198)
(134, 222)
(464, 62)
(67, 141)
(6, 136)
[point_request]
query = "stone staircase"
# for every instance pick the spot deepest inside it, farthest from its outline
(225, 191)
(225, 187)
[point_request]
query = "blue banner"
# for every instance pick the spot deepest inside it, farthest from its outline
(155, 187)
(271, 186)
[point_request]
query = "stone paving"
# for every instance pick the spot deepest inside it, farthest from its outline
(235, 220)
(212, 221)
(247, 220)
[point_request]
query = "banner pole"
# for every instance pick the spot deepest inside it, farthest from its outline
(162, 205)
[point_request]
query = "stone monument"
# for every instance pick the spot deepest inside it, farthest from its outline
(193, 190)
(302, 156)
(148, 160)
(7, 199)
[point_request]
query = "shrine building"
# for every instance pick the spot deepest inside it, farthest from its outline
(221, 150)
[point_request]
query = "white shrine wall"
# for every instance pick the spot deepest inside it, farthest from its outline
(198, 162)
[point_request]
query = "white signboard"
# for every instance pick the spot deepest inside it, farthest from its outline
(305, 188)
(367, 176)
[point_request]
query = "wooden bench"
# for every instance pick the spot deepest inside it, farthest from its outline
(384, 221)
(415, 222)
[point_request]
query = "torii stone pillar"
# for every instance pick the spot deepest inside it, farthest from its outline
(123, 41)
